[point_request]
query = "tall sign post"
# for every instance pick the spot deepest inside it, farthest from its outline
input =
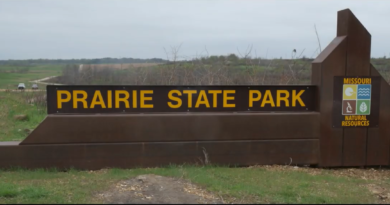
(353, 99)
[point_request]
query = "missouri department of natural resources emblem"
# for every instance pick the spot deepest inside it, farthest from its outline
(356, 99)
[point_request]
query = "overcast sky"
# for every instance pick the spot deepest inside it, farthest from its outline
(54, 29)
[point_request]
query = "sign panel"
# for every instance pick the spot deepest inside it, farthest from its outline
(356, 101)
(145, 99)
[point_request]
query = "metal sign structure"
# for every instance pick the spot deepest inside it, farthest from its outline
(341, 120)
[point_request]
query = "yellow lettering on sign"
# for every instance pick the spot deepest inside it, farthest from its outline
(268, 99)
(123, 99)
(96, 101)
(357, 80)
(355, 117)
(196, 98)
(226, 98)
(205, 101)
(109, 99)
(171, 97)
(134, 99)
(189, 93)
(354, 123)
(143, 98)
(215, 93)
(252, 99)
(280, 98)
(61, 100)
(297, 97)
(83, 99)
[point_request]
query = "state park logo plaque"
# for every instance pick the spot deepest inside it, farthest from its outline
(356, 101)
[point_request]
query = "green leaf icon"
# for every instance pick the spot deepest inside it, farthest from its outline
(363, 107)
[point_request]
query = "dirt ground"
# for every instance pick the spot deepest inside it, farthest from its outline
(153, 189)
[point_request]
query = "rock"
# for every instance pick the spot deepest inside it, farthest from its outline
(141, 178)
(21, 117)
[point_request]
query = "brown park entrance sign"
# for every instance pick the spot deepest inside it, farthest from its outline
(154, 99)
(340, 120)
(356, 101)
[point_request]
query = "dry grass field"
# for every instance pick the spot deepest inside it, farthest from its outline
(116, 66)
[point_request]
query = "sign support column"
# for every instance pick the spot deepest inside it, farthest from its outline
(348, 56)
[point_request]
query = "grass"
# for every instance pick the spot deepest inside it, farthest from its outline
(12, 79)
(250, 185)
(247, 185)
(15, 103)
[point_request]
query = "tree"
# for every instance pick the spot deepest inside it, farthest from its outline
(232, 58)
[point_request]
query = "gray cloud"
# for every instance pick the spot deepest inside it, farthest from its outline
(141, 29)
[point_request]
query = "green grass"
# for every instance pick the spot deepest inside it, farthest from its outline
(15, 103)
(11, 80)
(255, 185)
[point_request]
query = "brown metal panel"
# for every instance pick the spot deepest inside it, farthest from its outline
(342, 22)
(378, 147)
(58, 129)
(331, 62)
(359, 43)
(376, 150)
(358, 64)
(354, 146)
(152, 154)
(316, 80)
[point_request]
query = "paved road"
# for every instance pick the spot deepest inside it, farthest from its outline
(34, 81)
(43, 79)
